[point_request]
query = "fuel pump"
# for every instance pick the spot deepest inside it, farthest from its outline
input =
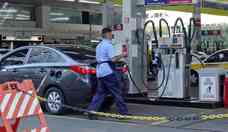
(170, 48)
(187, 37)
(169, 59)
(174, 53)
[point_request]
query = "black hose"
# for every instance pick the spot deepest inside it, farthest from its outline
(155, 41)
(163, 79)
(143, 42)
(190, 33)
(160, 27)
(183, 28)
(168, 74)
(134, 83)
(187, 39)
(154, 31)
(163, 66)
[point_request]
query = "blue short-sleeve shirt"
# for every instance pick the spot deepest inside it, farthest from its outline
(104, 52)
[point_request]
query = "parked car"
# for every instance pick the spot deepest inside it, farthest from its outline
(199, 55)
(65, 77)
(4, 51)
(218, 60)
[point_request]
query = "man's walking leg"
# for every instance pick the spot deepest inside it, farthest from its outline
(98, 98)
(111, 83)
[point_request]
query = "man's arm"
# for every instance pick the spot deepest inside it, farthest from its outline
(117, 58)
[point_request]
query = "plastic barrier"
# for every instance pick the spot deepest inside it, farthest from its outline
(17, 101)
(225, 100)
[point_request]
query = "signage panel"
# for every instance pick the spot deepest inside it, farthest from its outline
(179, 1)
(155, 2)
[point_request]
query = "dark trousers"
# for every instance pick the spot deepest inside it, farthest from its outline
(108, 85)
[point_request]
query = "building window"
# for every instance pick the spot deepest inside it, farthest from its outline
(15, 12)
(65, 15)
(117, 18)
(91, 18)
(96, 18)
(86, 18)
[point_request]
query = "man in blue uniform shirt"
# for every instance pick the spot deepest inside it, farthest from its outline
(107, 79)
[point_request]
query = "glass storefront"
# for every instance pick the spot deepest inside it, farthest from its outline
(96, 18)
(16, 12)
(73, 16)
(65, 15)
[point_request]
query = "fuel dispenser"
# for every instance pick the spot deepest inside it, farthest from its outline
(159, 63)
(171, 52)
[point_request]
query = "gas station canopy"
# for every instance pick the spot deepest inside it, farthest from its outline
(214, 7)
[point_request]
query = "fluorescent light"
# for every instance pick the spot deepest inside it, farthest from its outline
(87, 1)
(8, 10)
(56, 14)
(68, 0)
(22, 18)
(10, 38)
(60, 19)
(7, 17)
(94, 41)
(22, 15)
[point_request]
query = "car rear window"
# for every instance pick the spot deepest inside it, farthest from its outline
(80, 57)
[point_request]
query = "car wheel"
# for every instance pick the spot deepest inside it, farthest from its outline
(56, 101)
(194, 79)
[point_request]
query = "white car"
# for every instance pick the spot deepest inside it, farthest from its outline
(218, 60)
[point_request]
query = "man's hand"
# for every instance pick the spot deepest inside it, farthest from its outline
(125, 54)
(118, 57)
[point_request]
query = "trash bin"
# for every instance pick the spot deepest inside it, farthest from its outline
(210, 86)
(225, 98)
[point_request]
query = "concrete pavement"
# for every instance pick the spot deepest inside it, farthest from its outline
(77, 123)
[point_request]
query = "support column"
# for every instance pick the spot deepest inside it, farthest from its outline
(196, 43)
(197, 15)
(108, 10)
(42, 16)
(132, 20)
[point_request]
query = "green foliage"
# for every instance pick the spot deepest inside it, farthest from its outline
(190, 8)
(119, 2)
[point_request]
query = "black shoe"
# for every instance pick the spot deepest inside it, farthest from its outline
(91, 116)
(127, 114)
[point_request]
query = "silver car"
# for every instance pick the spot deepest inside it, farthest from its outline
(60, 76)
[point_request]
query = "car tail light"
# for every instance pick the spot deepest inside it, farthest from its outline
(83, 70)
(122, 69)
